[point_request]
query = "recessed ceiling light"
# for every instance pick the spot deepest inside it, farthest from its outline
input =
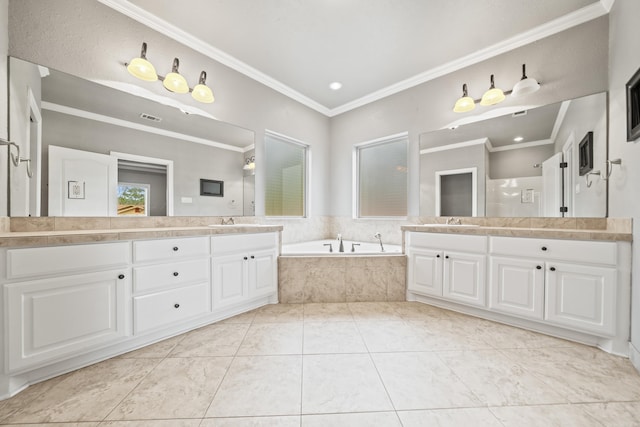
(335, 86)
(518, 138)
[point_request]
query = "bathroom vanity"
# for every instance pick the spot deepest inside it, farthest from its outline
(574, 284)
(70, 305)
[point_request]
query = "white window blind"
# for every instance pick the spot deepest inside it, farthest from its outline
(382, 178)
(285, 177)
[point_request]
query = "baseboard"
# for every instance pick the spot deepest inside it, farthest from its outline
(634, 356)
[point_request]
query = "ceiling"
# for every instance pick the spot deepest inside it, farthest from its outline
(373, 47)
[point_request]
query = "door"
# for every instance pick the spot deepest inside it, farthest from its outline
(425, 272)
(263, 273)
(517, 287)
(82, 183)
(229, 280)
(552, 186)
(581, 297)
(464, 278)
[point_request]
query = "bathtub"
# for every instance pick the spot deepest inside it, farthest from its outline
(318, 248)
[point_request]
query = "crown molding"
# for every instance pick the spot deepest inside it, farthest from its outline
(487, 142)
(136, 126)
(555, 26)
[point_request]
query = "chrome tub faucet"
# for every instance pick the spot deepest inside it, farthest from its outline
(379, 237)
(341, 249)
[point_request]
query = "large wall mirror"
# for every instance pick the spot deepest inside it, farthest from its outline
(547, 161)
(92, 150)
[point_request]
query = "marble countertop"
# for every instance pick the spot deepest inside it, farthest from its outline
(48, 238)
(545, 233)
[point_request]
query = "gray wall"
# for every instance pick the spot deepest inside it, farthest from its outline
(517, 163)
(558, 61)
(90, 40)
(191, 161)
(624, 45)
(4, 50)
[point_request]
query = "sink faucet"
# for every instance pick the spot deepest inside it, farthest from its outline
(454, 221)
(341, 249)
(379, 237)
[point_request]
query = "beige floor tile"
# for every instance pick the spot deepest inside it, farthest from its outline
(363, 419)
(213, 340)
(259, 385)
(23, 399)
(291, 421)
(88, 394)
(419, 311)
(366, 311)
(451, 333)
(332, 337)
(422, 381)
(152, 423)
(176, 388)
(476, 417)
(545, 416)
(265, 339)
(390, 336)
(154, 351)
(504, 336)
(240, 318)
(278, 313)
(582, 374)
(621, 414)
(327, 312)
(497, 380)
(88, 424)
(337, 383)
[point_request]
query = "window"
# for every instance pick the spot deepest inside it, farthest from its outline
(133, 199)
(286, 176)
(381, 177)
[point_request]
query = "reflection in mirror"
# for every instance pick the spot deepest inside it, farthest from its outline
(106, 140)
(528, 163)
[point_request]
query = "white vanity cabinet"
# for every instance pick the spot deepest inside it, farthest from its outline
(563, 282)
(65, 300)
(171, 282)
(244, 267)
(447, 266)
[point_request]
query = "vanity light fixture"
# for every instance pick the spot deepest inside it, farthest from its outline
(174, 81)
(249, 163)
(495, 95)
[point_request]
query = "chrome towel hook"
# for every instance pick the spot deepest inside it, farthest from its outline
(16, 159)
(586, 177)
(610, 164)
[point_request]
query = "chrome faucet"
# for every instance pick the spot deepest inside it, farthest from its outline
(353, 246)
(379, 237)
(454, 221)
(330, 246)
(341, 249)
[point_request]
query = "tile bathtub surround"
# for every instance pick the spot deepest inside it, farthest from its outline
(336, 364)
(342, 279)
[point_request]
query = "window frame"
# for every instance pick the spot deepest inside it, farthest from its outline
(402, 136)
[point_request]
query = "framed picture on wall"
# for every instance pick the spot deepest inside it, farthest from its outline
(633, 107)
(585, 154)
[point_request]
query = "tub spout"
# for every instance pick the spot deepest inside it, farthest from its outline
(353, 246)
(379, 237)
(341, 249)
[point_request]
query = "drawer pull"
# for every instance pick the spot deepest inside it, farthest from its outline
(245, 258)
(121, 276)
(438, 256)
(253, 257)
(544, 248)
(175, 274)
(446, 256)
(175, 249)
(538, 267)
(552, 269)
(176, 305)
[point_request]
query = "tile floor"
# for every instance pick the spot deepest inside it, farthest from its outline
(348, 364)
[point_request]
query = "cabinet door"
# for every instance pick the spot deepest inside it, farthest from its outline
(52, 318)
(517, 287)
(263, 273)
(581, 297)
(464, 278)
(425, 271)
(229, 280)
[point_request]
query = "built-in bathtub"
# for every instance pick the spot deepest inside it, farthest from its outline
(308, 272)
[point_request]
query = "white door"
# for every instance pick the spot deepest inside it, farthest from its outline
(517, 287)
(569, 186)
(229, 274)
(464, 278)
(263, 273)
(425, 272)
(552, 186)
(82, 183)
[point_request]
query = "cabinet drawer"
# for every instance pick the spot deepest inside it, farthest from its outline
(242, 243)
(565, 250)
(455, 242)
(170, 274)
(162, 249)
(33, 262)
(163, 308)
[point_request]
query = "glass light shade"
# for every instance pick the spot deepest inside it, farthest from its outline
(142, 69)
(202, 93)
(175, 83)
(492, 97)
(249, 166)
(464, 104)
(525, 87)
